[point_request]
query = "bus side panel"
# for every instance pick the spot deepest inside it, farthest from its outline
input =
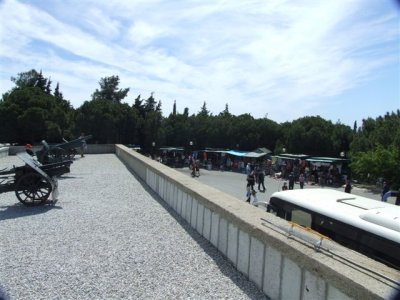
(347, 235)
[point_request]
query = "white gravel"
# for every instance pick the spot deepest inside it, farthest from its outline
(108, 237)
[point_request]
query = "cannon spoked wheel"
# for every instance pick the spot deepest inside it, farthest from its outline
(32, 189)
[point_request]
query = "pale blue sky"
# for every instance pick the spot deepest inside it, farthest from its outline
(282, 58)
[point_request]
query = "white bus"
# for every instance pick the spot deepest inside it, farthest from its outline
(365, 225)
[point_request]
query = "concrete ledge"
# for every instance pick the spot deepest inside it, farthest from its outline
(100, 148)
(282, 267)
(4, 151)
(91, 149)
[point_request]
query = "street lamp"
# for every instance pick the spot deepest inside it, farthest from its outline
(283, 149)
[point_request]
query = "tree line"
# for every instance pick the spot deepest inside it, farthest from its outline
(31, 111)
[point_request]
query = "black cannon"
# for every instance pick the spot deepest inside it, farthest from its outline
(33, 183)
(60, 152)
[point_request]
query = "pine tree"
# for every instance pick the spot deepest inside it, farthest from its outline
(57, 92)
(186, 112)
(41, 82)
(226, 110)
(150, 103)
(158, 108)
(204, 111)
(138, 103)
(174, 109)
(48, 87)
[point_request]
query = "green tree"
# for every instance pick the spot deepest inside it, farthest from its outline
(204, 111)
(48, 87)
(150, 103)
(57, 92)
(31, 113)
(32, 124)
(9, 120)
(174, 108)
(380, 162)
(109, 90)
(27, 79)
(375, 149)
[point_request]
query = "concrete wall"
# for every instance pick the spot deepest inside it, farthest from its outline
(3, 151)
(282, 267)
(91, 149)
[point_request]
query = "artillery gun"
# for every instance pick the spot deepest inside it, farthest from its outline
(33, 182)
(60, 152)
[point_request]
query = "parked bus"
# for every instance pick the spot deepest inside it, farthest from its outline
(365, 225)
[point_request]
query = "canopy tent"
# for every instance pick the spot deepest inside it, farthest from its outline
(327, 160)
(293, 156)
(260, 152)
(170, 149)
(246, 154)
(263, 149)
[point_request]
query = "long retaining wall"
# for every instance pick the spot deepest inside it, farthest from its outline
(91, 149)
(282, 267)
(3, 151)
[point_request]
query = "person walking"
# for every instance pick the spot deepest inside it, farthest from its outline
(386, 188)
(248, 169)
(83, 145)
(291, 181)
(251, 179)
(301, 181)
(261, 177)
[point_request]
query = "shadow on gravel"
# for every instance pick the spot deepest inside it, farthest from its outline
(19, 210)
(226, 267)
(3, 295)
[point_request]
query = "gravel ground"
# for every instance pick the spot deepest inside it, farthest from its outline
(108, 237)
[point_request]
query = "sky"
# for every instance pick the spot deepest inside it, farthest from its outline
(275, 59)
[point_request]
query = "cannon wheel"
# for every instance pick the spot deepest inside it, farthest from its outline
(32, 189)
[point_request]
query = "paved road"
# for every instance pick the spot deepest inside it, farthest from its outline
(235, 184)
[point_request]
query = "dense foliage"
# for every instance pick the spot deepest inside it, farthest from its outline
(30, 112)
(375, 149)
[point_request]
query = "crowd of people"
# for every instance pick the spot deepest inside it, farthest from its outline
(256, 175)
(291, 172)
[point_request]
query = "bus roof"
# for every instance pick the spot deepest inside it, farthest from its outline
(378, 217)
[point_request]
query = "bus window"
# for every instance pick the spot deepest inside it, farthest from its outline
(342, 233)
(289, 212)
(301, 217)
(277, 207)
